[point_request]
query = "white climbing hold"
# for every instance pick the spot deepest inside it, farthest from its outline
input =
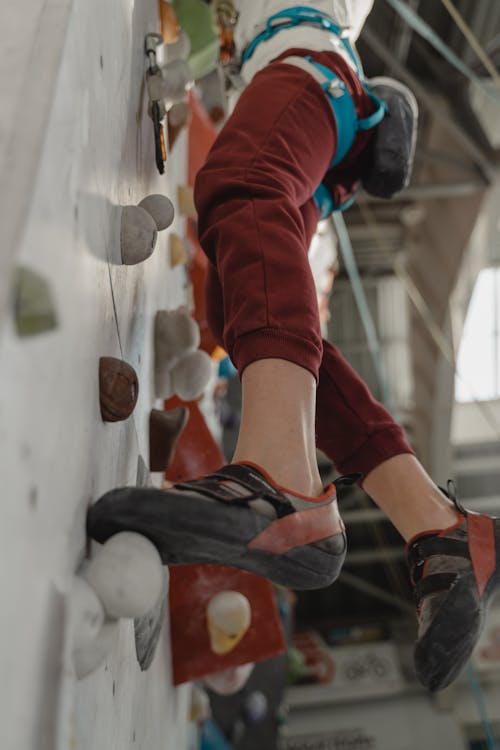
(191, 375)
(137, 236)
(160, 208)
(229, 681)
(86, 612)
(88, 658)
(127, 575)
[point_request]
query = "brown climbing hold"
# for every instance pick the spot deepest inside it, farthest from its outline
(118, 389)
(178, 253)
(170, 27)
(164, 430)
(185, 201)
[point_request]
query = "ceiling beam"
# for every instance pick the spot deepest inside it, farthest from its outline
(430, 191)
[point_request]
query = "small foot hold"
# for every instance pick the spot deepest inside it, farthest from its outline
(118, 389)
(185, 201)
(228, 619)
(199, 710)
(177, 120)
(126, 573)
(177, 250)
(160, 208)
(34, 310)
(191, 375)
(164, 430)
(137, 236)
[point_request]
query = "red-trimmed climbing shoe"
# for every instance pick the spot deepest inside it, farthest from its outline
(455, 573)
(237, 516)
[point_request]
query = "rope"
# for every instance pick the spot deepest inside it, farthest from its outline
(481, 705)
(362, 304)
(472, 39)
(426, 32)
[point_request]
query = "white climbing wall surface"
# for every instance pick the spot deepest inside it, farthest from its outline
(75, 155)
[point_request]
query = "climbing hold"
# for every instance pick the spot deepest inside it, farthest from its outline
(185, 201)
(176, 79)
(254, 707)
(127, 575)
(137, 236)
(86, 613)
(147, 628)
(175, 334)
(200, 704)
(177, 119)
(191, 375)
(34, 310)
(160, 208)
(163, 382)
(118, 389)
(170, 28)
(178, 253)
(165, 428)
(230, 680)
(88, 658)
(178, 49)
(228, 619)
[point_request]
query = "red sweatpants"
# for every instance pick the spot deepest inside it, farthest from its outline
(256, 218)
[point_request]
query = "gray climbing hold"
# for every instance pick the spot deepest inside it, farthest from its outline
(191, 375)
(34, 310)
(138, 235)
(147, 629)
(160, 208)
(178, 50)
(175, 334)
(177, 78)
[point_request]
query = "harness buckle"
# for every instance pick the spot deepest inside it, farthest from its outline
(336, 88)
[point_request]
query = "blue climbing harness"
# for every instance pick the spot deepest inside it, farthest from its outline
(347, 122)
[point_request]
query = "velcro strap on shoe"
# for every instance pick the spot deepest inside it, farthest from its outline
(248, 478)
(213, 489)
(430, 546)
(434, 584)
(216, 487)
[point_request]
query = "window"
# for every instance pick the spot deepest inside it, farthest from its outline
(478, 364)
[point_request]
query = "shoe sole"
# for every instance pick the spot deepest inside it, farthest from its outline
(452, 644)
(189, 530)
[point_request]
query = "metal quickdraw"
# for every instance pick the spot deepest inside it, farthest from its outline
(154, 85)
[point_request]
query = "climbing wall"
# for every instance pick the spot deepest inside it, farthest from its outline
(94, 155)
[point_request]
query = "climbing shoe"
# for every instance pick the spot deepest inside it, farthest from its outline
(237, 516)
(455, 574)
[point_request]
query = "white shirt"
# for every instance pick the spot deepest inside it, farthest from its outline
(253, 14)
